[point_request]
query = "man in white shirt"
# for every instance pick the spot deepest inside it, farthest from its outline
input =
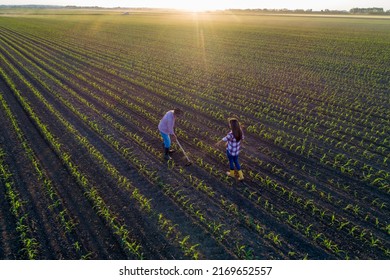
(166, 128)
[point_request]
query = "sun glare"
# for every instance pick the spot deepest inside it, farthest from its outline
(200, 5)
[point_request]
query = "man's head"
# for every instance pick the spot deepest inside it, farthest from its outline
(177, 112)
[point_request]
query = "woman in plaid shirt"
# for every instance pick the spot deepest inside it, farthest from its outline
(233, 147)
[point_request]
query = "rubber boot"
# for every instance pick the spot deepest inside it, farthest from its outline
(170, 150)
(240, 175)
(166, 154)
(230, 173)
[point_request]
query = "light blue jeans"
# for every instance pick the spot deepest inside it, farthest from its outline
(166, 139)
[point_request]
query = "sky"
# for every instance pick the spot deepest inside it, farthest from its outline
(215, 4)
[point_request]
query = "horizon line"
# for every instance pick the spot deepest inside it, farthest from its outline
(176, 9)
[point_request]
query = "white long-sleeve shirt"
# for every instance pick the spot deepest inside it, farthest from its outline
(167, 123)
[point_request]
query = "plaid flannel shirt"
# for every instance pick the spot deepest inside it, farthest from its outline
(233, 146)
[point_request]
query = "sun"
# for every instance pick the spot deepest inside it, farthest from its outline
(200, 5)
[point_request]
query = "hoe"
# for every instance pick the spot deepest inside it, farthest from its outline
(181, 148)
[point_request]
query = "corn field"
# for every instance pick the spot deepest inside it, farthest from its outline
(82, 174)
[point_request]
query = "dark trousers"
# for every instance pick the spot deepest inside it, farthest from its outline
(233, 161)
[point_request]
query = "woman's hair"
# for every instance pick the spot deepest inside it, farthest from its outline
(236, 129)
